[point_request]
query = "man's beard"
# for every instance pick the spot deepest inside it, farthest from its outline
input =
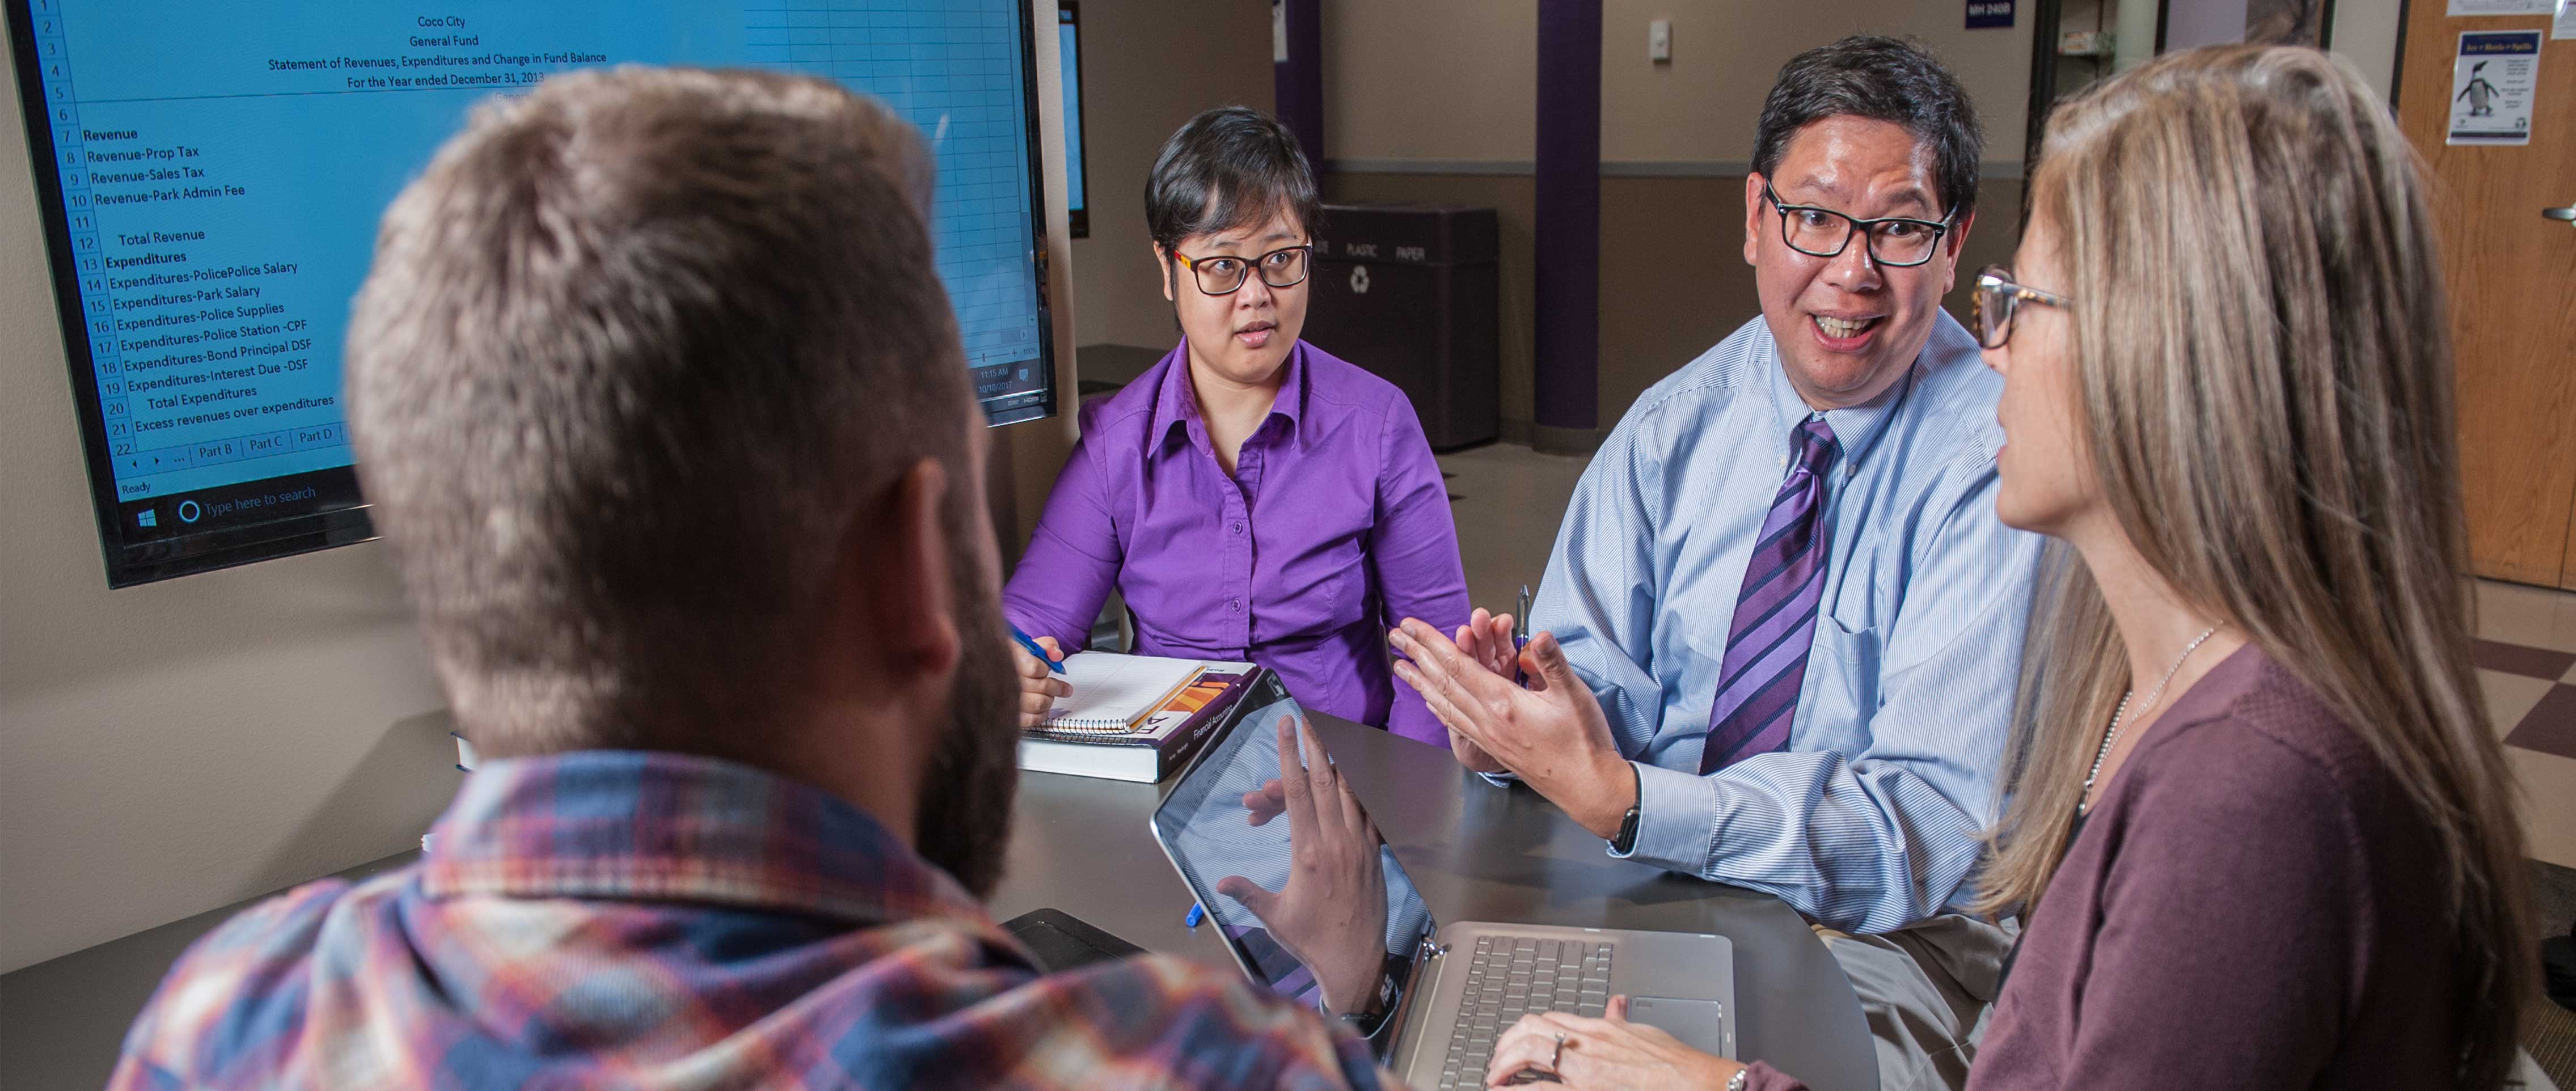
(964, 821)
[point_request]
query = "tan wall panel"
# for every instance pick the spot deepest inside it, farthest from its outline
(1148, 65)
(1430, 79)
(1702, 105)
(1454, 79)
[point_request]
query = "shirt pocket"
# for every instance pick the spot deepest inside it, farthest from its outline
(1843, 665)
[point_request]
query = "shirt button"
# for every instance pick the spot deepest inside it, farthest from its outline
(1235, 605)
(1238, 528)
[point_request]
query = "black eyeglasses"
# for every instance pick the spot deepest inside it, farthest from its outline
(1224, 274)
(1821, 232)
(1998, 297)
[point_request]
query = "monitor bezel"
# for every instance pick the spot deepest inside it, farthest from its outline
(130, 563)
(1077, 221)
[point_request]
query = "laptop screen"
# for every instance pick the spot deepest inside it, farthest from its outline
(1211, 835)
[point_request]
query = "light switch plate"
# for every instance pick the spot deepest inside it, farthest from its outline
(1659, 40)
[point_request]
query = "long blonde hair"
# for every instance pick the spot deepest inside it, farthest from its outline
(2265, 367)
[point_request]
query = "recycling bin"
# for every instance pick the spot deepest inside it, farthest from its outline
(1409, 292)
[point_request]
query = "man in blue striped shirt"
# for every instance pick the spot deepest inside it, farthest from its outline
(1782, 623)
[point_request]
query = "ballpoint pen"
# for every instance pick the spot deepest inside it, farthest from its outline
(1039, 650)
(1520, 638)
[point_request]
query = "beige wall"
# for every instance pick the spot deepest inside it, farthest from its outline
(2367, 32)
(1702, 105)
(1430, 79)
(1453, 80)
(170, 748)
(1148, 65)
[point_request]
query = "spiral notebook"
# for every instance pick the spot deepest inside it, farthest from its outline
(1114, 693)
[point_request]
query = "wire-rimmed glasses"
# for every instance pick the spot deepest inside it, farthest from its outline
(1998, 297)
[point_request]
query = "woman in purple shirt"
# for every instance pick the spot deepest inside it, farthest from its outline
(2260, 833)
(1251, 496)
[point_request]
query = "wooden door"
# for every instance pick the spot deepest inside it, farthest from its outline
(2567, 568)
(2512, 276)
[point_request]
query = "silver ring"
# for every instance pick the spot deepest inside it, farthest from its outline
(1558, 1053)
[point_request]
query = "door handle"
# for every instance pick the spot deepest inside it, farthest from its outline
(2567, 214)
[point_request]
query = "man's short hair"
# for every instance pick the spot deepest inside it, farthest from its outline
(1228, 168)
(1882, 79)
(635, 351)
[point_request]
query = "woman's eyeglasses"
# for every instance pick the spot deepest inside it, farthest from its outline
(1998, 297)
(1281, 268)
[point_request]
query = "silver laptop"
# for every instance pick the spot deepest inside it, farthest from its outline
(1462, 984)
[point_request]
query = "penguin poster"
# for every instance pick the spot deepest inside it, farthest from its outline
(2492, 83)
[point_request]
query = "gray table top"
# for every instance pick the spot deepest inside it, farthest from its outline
(1476, 852)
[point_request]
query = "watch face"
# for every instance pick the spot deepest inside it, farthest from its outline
(1627, 839)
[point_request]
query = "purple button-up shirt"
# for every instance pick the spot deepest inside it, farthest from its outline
(1334, 527)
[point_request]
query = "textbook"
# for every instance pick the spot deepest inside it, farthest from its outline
(1164, 739)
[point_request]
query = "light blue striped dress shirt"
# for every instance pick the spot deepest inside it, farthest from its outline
(1870, 819)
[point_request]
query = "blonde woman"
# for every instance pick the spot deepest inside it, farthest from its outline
(2259, 830)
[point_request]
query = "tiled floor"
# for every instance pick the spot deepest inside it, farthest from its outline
(2527, 663)
(1510, 499)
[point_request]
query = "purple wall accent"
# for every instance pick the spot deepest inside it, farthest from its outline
(1567, 235)
(1299, 80)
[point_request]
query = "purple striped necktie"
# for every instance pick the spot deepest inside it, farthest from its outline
(1775, 614)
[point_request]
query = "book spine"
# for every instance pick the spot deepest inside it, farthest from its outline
(1183, 744)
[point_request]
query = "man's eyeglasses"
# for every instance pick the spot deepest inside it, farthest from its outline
(1821, 232)
(1998, 297)
(1281, 268)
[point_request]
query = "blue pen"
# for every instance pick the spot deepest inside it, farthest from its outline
(1197, 913)
(1036, 649)
(1520, 639)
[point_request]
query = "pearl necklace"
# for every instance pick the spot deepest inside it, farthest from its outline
(2113, 735)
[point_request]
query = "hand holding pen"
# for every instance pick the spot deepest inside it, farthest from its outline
(1041, 668)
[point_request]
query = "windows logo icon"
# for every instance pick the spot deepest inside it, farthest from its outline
(147, 518)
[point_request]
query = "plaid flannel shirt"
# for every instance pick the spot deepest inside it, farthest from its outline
(650, 920)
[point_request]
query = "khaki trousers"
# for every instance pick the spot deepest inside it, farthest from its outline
(1925, 991)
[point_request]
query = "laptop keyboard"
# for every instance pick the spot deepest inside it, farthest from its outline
(1514, 976)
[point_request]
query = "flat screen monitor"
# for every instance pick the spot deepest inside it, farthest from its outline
(211, 176)
(1068, 52)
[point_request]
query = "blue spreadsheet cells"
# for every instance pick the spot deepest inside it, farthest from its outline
(222, 169)
(953, 69)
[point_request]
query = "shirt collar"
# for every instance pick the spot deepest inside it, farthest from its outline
(1176, 404)
(656, 826)
(1856, 429)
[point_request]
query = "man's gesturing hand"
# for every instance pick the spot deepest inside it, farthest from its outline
(1553, 735)
(1331, 913)
(1486, 640)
